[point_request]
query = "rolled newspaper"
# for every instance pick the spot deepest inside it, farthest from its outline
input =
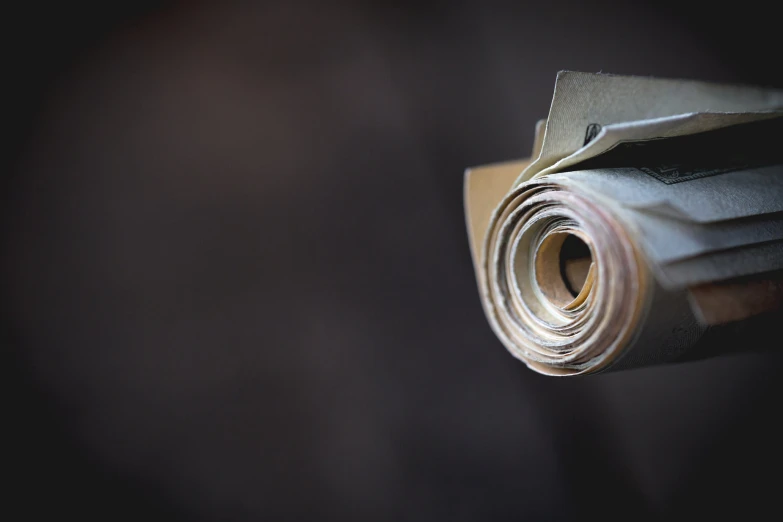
(651, 210)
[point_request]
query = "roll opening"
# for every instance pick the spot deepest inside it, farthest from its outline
(564, 269)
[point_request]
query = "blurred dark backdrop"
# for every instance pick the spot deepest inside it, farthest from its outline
(236, 282)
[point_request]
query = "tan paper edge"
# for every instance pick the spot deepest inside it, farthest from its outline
(734, 300)
(485, 187)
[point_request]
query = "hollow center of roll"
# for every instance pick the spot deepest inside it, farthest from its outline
(563, 265)
(575, 261)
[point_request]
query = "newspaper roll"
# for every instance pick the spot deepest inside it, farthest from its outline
(627, 262)
(569, 309)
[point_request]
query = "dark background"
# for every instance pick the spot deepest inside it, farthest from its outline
(236, 282)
